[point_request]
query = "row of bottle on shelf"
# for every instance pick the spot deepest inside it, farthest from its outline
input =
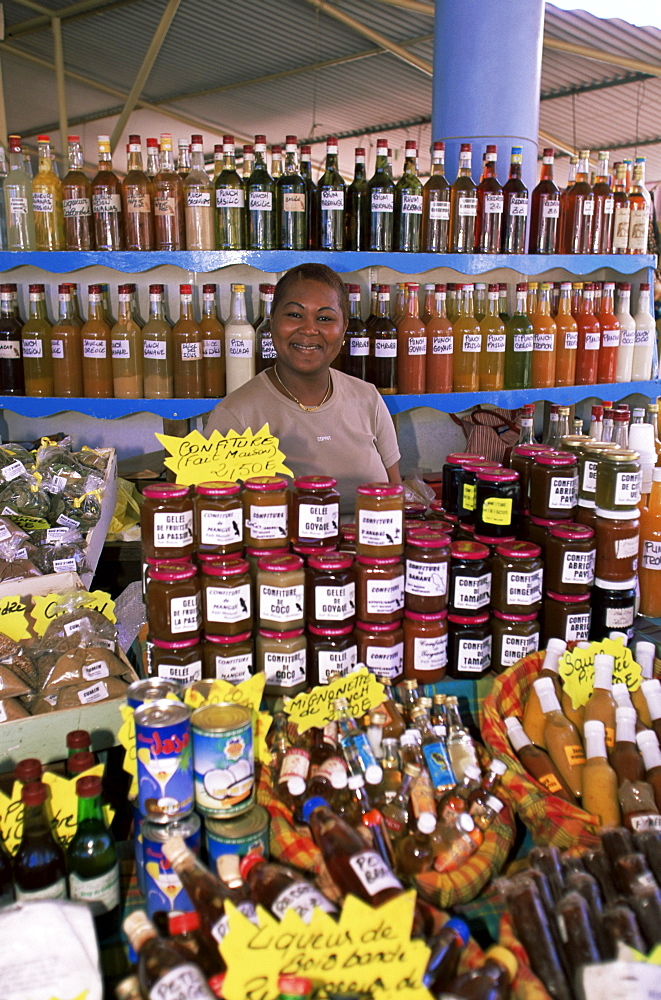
(462, 338)
(163, 208)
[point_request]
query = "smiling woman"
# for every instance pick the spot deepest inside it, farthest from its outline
(328, 423)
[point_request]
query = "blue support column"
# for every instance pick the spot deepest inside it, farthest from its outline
(487, 68)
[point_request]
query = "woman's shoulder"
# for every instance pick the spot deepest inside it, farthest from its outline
(349, 385)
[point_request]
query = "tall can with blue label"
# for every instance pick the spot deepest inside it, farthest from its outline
(163, 890)
(223, 758)
(165, 762)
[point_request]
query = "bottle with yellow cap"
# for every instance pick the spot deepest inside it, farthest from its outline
(47, 201)
(492, 980)
(239, 342)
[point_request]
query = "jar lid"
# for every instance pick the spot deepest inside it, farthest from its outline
(170, 571)
(265, 483)
(222, 488)
(343, 630)
(181, 560)
(437, 507)
(335, 561)
(223, 640)
(468, 550)
(571, 598)
(479, 466)
(498, 475)
(229, 567)
(580, 532)
(414, 508)
(530, 449)
(264, 553)
(469, 619)
(425, 538)
(378, 560)
(519, 550)
(457, 457)
(381, 489)
(308, 551)
(452, 518)
(623, 455)
(180, 644)
(515, 618)
(315, 482)
(164, 491)
(560, 458)
(378, 626)
(494, 540)
(269, 634)
(615, 584)
(545, 522)
(280, 564)
(597, 446)
(618, 515)
(438, 527)
(418, 616)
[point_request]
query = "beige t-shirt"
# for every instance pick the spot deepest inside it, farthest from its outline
(351, 437)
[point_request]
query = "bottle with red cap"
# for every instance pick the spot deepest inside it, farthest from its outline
(294, 987)
(463, 205)
(168, 188)
(152, 157)
(357, 357)
(47, 201)
(17, 188)
(489, 206)
(408, 204)
(212, 333)
(66, 347)
(77, 201)
(230, 202)
(292, 202)
(436, 204)
(199, 210)
(331, 191)
(107, 212)
(411, 345)
(92, 859)
(265, 355)
(356, 215)
(381, 196)
(157, 359)
(27, 770)
(187, 362)
(589, 339)
(519, 338)
(136, 191)
(260, 202)
(515, 206)
(544, 210)
(78, 741)
(97, 353)
(36, 344)
(279, 888)
(39, 864)
(12, 381)
(184, 931)
(312, 196)
(126, 343)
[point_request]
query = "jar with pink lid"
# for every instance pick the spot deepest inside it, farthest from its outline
(380, 520)
(266, 512)
(218, 517)
(226, 596)
(315, 511)
(167, 521)
(229, 657)
(425, 646)
(281, 593)
(179, 661)
(554, 485)
(379, 589)
(173, 602)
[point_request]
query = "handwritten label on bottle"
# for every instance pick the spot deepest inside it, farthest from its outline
(293, 201)
(592, 340)
(94, 348)
(198, 199)
(383, 201)
(33, 347)
(155, 350)
(385, 348)
(42, 201)
(106, 204)
(523, 342)
(240, 347)
(495, 343)
(442, 345)
(121, 348)
(651, 558)
(229, 198)
(76, 208)
(302, 898)
(332, 200)
(191, 352)
(359, 347)
(571, 340)
(610, 336)
(467, 205)
(211, 348)
(373, 872)
(260, 201)
(493, 203)
(57, 348)
(411, 204)
(439, 211)
(138, 202)
(543, 341)
(417, 346)
(471, 343)
(518, 207)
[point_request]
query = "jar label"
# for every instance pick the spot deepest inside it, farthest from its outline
(318, 520)
(385, 348)
(493, 203)
(302, 898)
(439, 211)
(471, 343)
(621, 226)
(468, 496)
(268, 522)
(281, 604)
(571, 340)
(589, 476)
(497, 510)
(650, 822)
(411, 204)
(610, 337)
(101, 892)
(426, 579)
(417, 346)
(472, 592)
(229, 198)
(221, 527)
(430, 654)
(373, 872)
(442, 345)
(383, 201)
(524, 588)
(285, 669)
(380, 528)
(515, 647)
(523, 342)
(495, 343)
(620, 617)
(385, 661)
(627, 488)
(182, 673)
(332, 200)
(626, 548)
(173, 531)
(473, 655)
(562, 493)
(185, 614)
(467, 205)
(155, 350)
(228, 604)
(185, 982)
(576, 627)
(335, 661)
(334, 603)
(295, 764)
(234, 668)
(385, 597)
(651, 555)
(578, 567)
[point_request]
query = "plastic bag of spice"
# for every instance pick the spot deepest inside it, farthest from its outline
(23, 498)
(79, 503)
(17, 558)
(60, 550)
(79, 667)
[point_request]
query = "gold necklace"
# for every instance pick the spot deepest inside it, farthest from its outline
(308, 409)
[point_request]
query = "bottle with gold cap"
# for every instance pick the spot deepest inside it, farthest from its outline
(47, 201)
(107, 211)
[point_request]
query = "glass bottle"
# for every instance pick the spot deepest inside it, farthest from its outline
(440, 345)
(164, 969)
(36, 345)
(491, 981)
(381, 194)
(77, 201)
(407, 232)
(260, 196)
(446, 948)
(640, 210)
(643, 352)
(47, 201)
(502, 302)
(12, 382)
(168, 193)
(279, 888)
(490, 203)
(561, 737)
(544, 341)
(463, 205)
(383, 346)
(265, 354)
(578, 210)
(212, 333)
(357, 361)
(330, 201)
(461, 749)
(136, 191)
(609, 329)
(311, 197)
(157, 349)
(622, 211)
(248, 160)
(467, 344)
(239, 342)
(356, 216)
(519, 339)
(39, 863)
(107, 211)
(436, 204)
(602, 225)
(492, 357)
(198, 197)
(411, 345)
(127, 350)
(66, 347)
(435, 752)
(152, 167)
(187, 365)
(291, 199)
(355, 745)
(515, 207)
(589, 339)
(599, 795)
(625, 756)
(627, 333)
(544, 210)
(184, 930)
(536, 761)
(648, 746)
(97, 356)
(184, 158)
(230, 202)
(92, 860)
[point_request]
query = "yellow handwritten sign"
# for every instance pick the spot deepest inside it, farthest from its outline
(315, 708)
(368, 950)
(13, 620)
(248, 693)
(576, 668)
(196, 459)
(48, 607)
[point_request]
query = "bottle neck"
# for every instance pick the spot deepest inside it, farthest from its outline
(381, 163)
(291, 162)
(465, 165)
(515, 170)
(134, 161)
(546, 173)
(186, 306)
(412, 304)
(95, 307)
(521, 303)
(75, 157)
(410, 166)
(359, 171)
(35, 823)
(466, 303)
(492, 303)
(383, 305)
(167, 161)
(156, 309)
(438, 167)
(197, 160)
(354, 307)
(125, 308)
(229, 162)
(331, 161)
(238, 306)
(105, 160)
(37, 306)
(544, 302)
(16, 160)
(587, 303)
(90, 809)
(439, 305)
(66, 307)
(209, 306)
(624, 302)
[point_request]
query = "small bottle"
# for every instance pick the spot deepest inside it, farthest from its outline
(331, 191)
(92, 860)
(279, 888)
(157, 349)
(239, 342)
(561, 737)
(39, 863)
(625, 755)
(199, 212)
(127, 350)
(230, 202)
(537, 762)
(136, 191)
(187, 350)
(97, 356)
(17, 188)
(163, 967)
(355, 744)
(47, 201)
(36, 346)
(77, 201)
(648, 745)
(441, 771)
(184, 931)
(599, 795)
(446, 948)
(492, 980)
(168, 193)
(265, 355)
(461, 748)
(212, 333)
(107, 211)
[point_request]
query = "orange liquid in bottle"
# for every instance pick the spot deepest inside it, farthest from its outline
(187, 350)
(544, 341)
(610, 336)
(492, 356)
(589, 339)
(411, 345)
(97, 355)
(66, 347)
(566, 339)
(467, 345)
(439, 346)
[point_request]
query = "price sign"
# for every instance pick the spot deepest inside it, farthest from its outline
(315, 708)
(576, 669)
(13, 618)
(195, 459)
(50, 606)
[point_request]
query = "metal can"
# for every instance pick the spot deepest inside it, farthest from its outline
(165, 765)
(150, 689)
(224, 765)
(249, 832)
(163, 890)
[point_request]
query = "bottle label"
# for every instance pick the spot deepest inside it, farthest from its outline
(293, 201)
(621, 226)
(385, 598)
(638, 229)
(518, 206)
(240, 347)
(285, 669)
(588, 206)
(94, 348)
(592, 340)
(295, 764)
(550, 782)
(383, 201)
(551, 209)
(471, 343)
(155, 350)
(417, 346)
(385, 348)
(335, 661)
(106, 204)
(515, 647)
(562, 493)
(523, 342)
(267, 350)
(10, 349)
(439, 211)
(627, 488)
(473, 655)
(472, 592)
(379, 528)
(467, 205)
(42, 201)
(442, 345)
(101, 893)
(234, 668)
(334, 603)
(438, 764)
(57, 890)
(608, 205)
(383, 661)
(184, 982)
(332, 768)
(218, 932)
(578, 567)
(211, 349)
(524, 588)
(138, 202)
(260, 201)
(281, 604)
(627, 337)
(644, 337)
(76, 208)
(651, 555)
(57, 348)
(571, 340)
(185, 614)
(430, 654)
(359, 347)
(164, 204)
(173, 531)
(575, 755)
(619, 618)
(373, 873)
(332, 200)
(651, 822)
(33, 347)
(495, 343)
(426, 579)
(198, 199)
(497, 510)
(411, 204)
(182, 673)
(493, 203)
(610, 336)
(121, 348)
(230, 198)
(268, 522)
(318, 520)
(302, 898)
(228, 604)
(18, 205)
(626, 548)
(577, 627)
(543, 341)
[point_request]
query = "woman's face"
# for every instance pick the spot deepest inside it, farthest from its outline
(308, 327)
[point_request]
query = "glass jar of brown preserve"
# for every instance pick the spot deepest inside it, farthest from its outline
(316, 511)
(426, 562)
(173, 602)
(266, 512)
(570, 558)
(218, 518)
(381, 649)
(176, 661)
(618, 535)
(379, 589)
(425, 646)
(282, 657)
(330, 651)
(330, 590)
(553, 485)
(226, 597)
(380, 520)
(566, 616)
(281, 593)
(516, 579)
(228, 657)
(167, 521)
(513, 637)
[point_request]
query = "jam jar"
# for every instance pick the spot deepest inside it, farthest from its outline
(379, 589)
(539, 527)
(587, 468)
(381, 649)
(566, 616)
(553, 485)
(574, 443)
(282, 657)
(177, 661)
(330, 590)
(281, 593)
(516, 580)
(497, 502)
(613, 608)
(467, 488)
(469, 646)
(380, 520)
(315, 511)
(229, 657)
(425, 646)
(470, 578)
(330, 651)
(618, 536)
(522, 459)
(570, 558)
(618, 480)
(514, 636)
(173, 602)
(167, 521)
(266, 512)
(426, 562)
(218, 518)
(586, 513)
(451, 470)
(347, 541)
(226, 596)
(415, 512)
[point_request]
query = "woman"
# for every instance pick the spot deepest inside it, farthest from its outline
(328, 423)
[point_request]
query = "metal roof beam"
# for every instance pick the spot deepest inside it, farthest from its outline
(587, 88)
(369, 129)
(652, 69)
(85, 8)
(415, 6)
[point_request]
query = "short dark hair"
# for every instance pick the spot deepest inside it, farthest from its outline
(313, 272)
